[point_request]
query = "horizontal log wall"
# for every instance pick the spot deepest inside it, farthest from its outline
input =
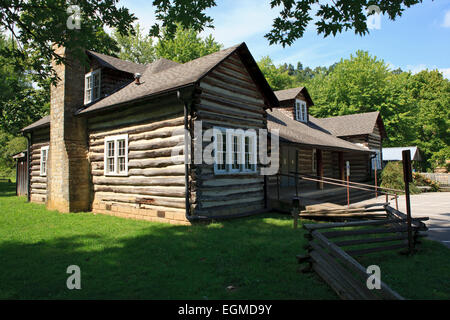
(229, 98)
(155, 186)
(371, 141)
(359, 166)
(38, 191)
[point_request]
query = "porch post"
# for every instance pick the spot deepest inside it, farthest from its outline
(341, 166)
(319, 168)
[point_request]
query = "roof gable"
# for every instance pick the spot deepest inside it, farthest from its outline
(294, 93)
(179, 76)
(43, 122)
(302, 133)
(351, 125)
(116, 63)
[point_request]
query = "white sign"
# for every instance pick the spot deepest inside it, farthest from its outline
(348, 168)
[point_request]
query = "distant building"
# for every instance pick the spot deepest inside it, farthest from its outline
(395, 154)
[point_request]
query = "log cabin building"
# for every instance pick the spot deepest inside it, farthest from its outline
(119, 133)
(320, 147)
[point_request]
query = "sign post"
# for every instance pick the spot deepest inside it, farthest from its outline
(347, 165)
(407, 178)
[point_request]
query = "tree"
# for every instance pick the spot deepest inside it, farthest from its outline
(415, 108)
(293, 18)
(9, 145)
(135, 46)
(20, 102)
(431, 93)
(277, 77)
(186, 45)
(363, 83)
(355, 85)
(37, 25)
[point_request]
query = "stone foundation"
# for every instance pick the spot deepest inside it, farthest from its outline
(117, 210)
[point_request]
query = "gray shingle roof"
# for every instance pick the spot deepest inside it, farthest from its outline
(349, 125)
(307, 134)
(290, 94)
(117, 64)
(45, 121)
(164, 75)
(177, 76)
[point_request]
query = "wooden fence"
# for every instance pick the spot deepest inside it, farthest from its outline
(442, 178)
(332, 246)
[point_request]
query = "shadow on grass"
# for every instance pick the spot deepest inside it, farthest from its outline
(255, 256)
(7, 189)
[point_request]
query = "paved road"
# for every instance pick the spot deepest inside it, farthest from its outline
(435, 205)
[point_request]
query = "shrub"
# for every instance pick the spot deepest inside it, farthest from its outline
(420, 180)
(392, 177)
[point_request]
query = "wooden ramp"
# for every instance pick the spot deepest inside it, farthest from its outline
(331, 210)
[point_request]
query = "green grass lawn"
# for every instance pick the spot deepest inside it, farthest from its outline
(128, 259)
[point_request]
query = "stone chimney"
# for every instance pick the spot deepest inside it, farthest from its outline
(68, 166)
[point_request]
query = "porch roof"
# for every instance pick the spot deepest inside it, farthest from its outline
(309, 134)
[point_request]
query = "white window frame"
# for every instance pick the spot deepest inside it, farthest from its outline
(253, 141)
(43, 164)
(115, 140)
(86, 82)
(241, 136)
(217, 164)
(301, 110)
(231, 152)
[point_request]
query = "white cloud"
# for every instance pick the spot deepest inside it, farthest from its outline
(420, 67)
(446, 22)
(416, 68)
(446, 72)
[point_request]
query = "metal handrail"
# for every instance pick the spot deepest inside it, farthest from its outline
(350, 182)
(305, 177)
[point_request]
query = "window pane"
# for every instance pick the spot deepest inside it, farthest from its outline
(122, 164)
(110, 165)
(235, 154)
(110, 148)
(221, 151)
(121, 146)
(247, 164)
(88, 94)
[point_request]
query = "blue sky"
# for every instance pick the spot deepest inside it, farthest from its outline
(419, 39)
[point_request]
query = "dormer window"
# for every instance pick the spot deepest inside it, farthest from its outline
(92, 86)
(301, 111)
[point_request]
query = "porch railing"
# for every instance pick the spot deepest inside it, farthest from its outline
(337, 182)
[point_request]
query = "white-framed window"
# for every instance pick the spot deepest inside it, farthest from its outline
(44, 161)
(376, 161)
(250, 153)
(235, 151)
(314, 161)
(116, 155)
(301, 111)
(92, 86)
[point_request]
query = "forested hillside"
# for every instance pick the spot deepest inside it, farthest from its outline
(415, 108)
